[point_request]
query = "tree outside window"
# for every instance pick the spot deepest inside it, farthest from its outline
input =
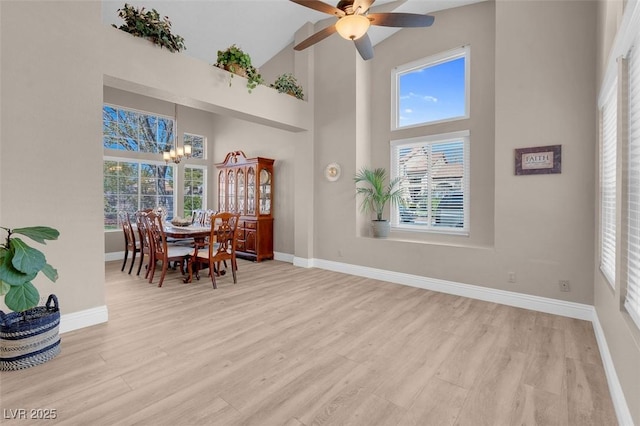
(194, 189)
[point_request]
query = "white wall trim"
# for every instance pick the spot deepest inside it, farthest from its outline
(284, 257)
(615, 388)
(510, 298)
(302, 262)
(114, 255)
(99, 315)
(519, 300)
(82, 319)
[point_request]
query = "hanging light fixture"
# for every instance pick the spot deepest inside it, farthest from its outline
(176, 153)
(352, 27)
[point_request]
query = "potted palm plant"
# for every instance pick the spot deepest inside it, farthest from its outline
(376, 195)
(287, 83)
(149, 25)
(29, 335)
(236, 61)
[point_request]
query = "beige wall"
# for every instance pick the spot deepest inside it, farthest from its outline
(49, 139)
(539, 227)
(282, 63)
(256, 140)
(622, 336)
(535, 69)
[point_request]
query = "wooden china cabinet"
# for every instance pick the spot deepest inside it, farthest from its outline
(245, 186)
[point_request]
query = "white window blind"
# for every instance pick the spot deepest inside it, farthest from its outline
(608, 186)
(434, 172)
(632, 299)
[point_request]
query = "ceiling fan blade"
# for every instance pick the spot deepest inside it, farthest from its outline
(364, 46)
(361, 6)
(320, 6)
(400, 19)
(387, 7)
(313, 39)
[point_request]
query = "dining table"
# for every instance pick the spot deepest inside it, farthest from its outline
(199, 234)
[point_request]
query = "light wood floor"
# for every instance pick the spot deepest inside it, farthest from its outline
(293, 346)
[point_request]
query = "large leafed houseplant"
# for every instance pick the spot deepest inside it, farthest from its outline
(19, 265)
(29, 335)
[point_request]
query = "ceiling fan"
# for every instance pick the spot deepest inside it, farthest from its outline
(354, 21)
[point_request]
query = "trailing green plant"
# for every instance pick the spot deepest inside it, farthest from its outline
(376, 194)
(149, 25)
(287, 83)
(234, 60)
(19, 265)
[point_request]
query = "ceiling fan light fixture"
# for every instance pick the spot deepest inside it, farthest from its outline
(352, 27)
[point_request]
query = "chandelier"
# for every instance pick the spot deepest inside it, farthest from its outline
(176, 154)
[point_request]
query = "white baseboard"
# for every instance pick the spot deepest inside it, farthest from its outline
(81, 319)
(116, 255)
(542, 304)
(519, 300)
(284, 257)
(510, 298)
(615, 388)
(302, 262)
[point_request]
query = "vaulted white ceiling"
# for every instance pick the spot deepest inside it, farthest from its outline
(261, 28)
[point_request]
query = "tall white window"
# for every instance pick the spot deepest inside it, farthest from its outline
(132, 185)
(194, 189)
(431, 90)
(608, 185)
(434, 172)
(632, 298)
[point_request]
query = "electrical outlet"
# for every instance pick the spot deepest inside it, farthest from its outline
(564, 285)
(511, 277)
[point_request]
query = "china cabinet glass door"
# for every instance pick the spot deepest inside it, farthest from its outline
(222, 190)
(265, 191)
(251, 191)
(231, 202)
(241, 188)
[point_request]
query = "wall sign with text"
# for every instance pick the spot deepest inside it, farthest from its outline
(539, 160)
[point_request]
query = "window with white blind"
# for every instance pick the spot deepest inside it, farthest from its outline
(632, 298)
(434, 172)
(608, 116)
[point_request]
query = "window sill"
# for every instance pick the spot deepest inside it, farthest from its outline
(407, 239)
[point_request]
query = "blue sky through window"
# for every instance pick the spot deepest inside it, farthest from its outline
(433, 93)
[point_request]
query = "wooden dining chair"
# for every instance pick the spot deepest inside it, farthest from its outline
(163, 252)
(145, 240)
(197, 217)
(224, 228)
(130, 243)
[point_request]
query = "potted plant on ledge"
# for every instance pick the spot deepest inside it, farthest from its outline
(29, 335)
(149, 25)
(287, 83)
(234, 60)
(377, 195)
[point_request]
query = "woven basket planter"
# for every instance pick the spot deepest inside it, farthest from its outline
(31, 337)
(236, 69)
